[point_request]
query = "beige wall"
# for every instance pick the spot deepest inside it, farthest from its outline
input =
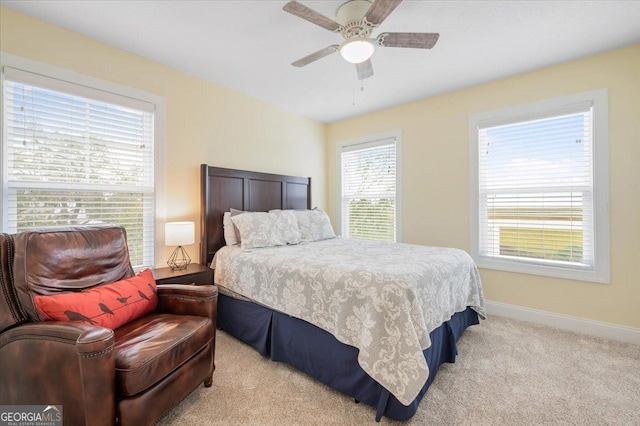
(205, 123)
(435, 171)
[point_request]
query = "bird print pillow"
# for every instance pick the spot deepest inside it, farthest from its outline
(109, 305)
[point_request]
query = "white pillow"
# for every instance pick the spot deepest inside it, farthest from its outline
(258, 229)
(314, 225)
(229, 230)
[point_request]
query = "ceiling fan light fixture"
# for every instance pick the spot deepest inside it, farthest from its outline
(357, 49)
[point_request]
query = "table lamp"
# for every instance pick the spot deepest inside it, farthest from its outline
(179, 234)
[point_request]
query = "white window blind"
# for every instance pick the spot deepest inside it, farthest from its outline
(536, 191)
(368, 190)
(76, 155)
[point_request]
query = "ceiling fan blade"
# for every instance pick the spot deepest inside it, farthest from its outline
(310, 15)
(364, 69)
(414, 40)
(379, 10)
(315, 56)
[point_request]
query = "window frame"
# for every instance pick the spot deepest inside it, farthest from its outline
(46, 70)
(371, 139)
(600, 272)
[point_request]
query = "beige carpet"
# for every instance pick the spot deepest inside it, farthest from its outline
(507, 373)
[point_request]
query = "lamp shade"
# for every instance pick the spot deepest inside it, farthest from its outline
(179, 233)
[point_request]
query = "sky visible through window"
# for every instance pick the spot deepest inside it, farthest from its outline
(543, 153)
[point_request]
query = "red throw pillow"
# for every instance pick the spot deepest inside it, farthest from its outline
(110, 305)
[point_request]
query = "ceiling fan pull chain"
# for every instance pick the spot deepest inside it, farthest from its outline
(354, 91)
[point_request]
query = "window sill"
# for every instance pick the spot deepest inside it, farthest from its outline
(508, 265)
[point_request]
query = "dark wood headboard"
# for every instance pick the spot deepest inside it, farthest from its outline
(224, 189)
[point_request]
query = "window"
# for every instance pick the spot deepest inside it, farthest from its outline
(76, 155)
(369, 188)
(539, 188)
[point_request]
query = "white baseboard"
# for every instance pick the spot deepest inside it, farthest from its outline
(606, 330)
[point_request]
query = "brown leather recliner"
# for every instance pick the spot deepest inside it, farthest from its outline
(132, 375)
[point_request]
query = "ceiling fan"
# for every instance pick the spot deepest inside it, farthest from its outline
(355, 20)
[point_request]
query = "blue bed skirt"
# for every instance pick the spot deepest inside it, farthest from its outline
(320, 355)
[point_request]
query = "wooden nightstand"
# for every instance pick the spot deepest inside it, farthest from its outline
(194, 274)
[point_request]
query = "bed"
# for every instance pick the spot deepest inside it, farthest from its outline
(381, 363)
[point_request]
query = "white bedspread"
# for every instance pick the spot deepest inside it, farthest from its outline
(382, 298)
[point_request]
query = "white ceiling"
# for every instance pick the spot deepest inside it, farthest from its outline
(248, 46)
